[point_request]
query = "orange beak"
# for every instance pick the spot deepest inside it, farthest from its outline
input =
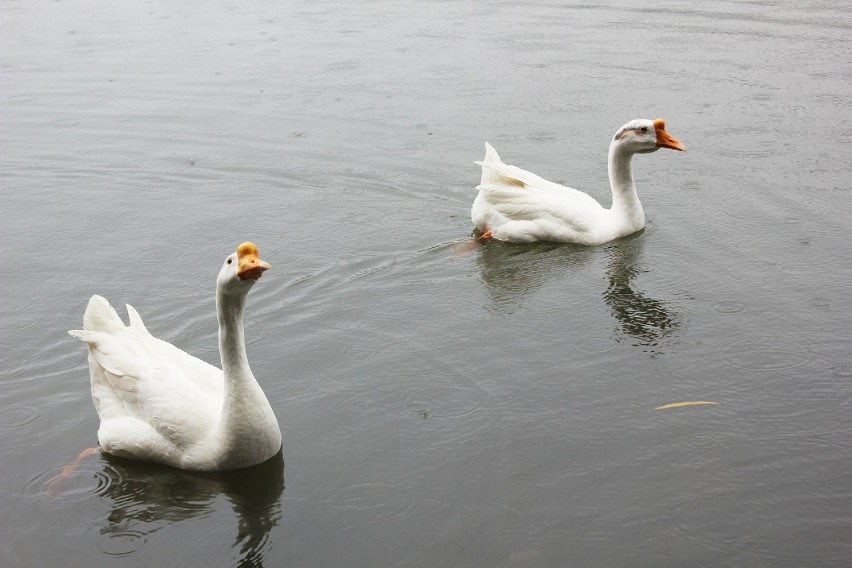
(666, 140)
(248, 264)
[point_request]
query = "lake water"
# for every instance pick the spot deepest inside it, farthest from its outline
(439, 406)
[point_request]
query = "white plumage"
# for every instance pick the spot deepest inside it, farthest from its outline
(518, 206)
(157, 403)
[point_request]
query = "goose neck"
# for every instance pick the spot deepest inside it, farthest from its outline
(620, 170)
(232, 348)
(625, 200)
(248, 431)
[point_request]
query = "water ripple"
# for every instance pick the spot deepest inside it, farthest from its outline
(702, 441)
(673, 268)
(768, 353)
(841, 371)
(23, 98)
(728, 307)
(369, 503)
(597, 345)
(122, 543)
(419, 415)
(757, 271)
(447, 400)
(39, 431)
(64, 123)
(454, 365)
(542, 136)
(91, 478)
(822, 303)
(719, 522)
(374, 344)
(17, 416)
(751, 142)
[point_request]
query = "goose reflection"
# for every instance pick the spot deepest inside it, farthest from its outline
(148, 497)
(511, 272)
(650, 323)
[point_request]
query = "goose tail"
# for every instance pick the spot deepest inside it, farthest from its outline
(100, 316)
(491, 165)
(497, 174)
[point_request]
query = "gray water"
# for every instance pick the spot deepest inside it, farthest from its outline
(439, 406)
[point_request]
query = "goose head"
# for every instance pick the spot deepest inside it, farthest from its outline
(241, 270)
(643, 136)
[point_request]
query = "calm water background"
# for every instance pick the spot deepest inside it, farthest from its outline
(439, 408)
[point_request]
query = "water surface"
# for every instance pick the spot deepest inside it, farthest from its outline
(493, 407)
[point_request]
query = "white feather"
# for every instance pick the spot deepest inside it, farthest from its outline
(518, 206)
(158, 403)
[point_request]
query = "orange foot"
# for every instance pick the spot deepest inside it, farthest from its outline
(55, 484)
(486, 235)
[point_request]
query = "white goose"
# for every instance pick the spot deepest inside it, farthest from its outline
(518, 206)
(159, 404)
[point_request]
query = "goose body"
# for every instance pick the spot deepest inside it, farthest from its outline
(159, 404)
(518, 206)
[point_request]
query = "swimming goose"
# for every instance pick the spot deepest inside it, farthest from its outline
(159, 404)
(518, 206)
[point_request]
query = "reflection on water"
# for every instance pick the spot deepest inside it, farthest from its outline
(476, 401)
(650, 323)
(147, 497)
(512, 271)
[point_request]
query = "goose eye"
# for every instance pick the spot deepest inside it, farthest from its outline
(644, 129)
(230, 260)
